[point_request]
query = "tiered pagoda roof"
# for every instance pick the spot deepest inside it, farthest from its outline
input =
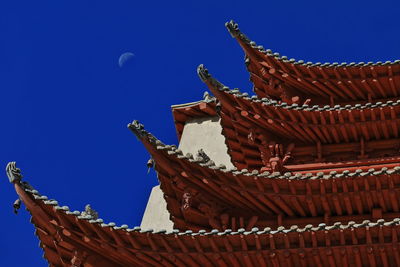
(316, 166)
(72, 238)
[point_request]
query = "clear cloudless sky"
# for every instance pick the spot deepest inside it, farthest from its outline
(65, 102)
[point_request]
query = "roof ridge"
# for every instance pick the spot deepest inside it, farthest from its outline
(189, 104)
(205, 76)
(235, 32)
(124, 227)
(138, 129)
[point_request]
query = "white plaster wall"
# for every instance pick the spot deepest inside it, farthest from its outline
(202, 133)
(206, 134)
(156, 215)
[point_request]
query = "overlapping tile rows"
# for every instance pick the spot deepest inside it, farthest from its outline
(337, 83)
(334, 201)
(338, 132)
(276, 198)
(69, 238)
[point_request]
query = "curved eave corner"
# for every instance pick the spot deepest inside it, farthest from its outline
(80, 240)
(251, 47)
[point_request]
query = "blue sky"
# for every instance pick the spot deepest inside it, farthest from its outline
(65, 102)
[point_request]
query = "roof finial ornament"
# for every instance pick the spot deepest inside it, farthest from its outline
(203, 73)
(233, 28)
(13, 173)
(90, 212)
(202, 156)
(137, 128)
(207, 97)
(206, 77)
(150, 164)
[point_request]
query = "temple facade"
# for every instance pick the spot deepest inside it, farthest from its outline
(306, 172)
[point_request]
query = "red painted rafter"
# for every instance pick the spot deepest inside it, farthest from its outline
(340, 244)
(342, 83)
(281, 199)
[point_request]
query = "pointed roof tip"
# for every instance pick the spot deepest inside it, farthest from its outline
(135, 124)
(233, 28)
(137, 128)
(203, 73)
(13, 173)
(206, 77)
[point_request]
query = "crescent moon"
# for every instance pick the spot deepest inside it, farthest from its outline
(124, 58)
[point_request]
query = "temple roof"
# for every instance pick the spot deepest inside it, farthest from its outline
(73, 237)
(353, 191)
(314, 133)
(270, 72)
(317, 212)
(153, 144)
(309, 124)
